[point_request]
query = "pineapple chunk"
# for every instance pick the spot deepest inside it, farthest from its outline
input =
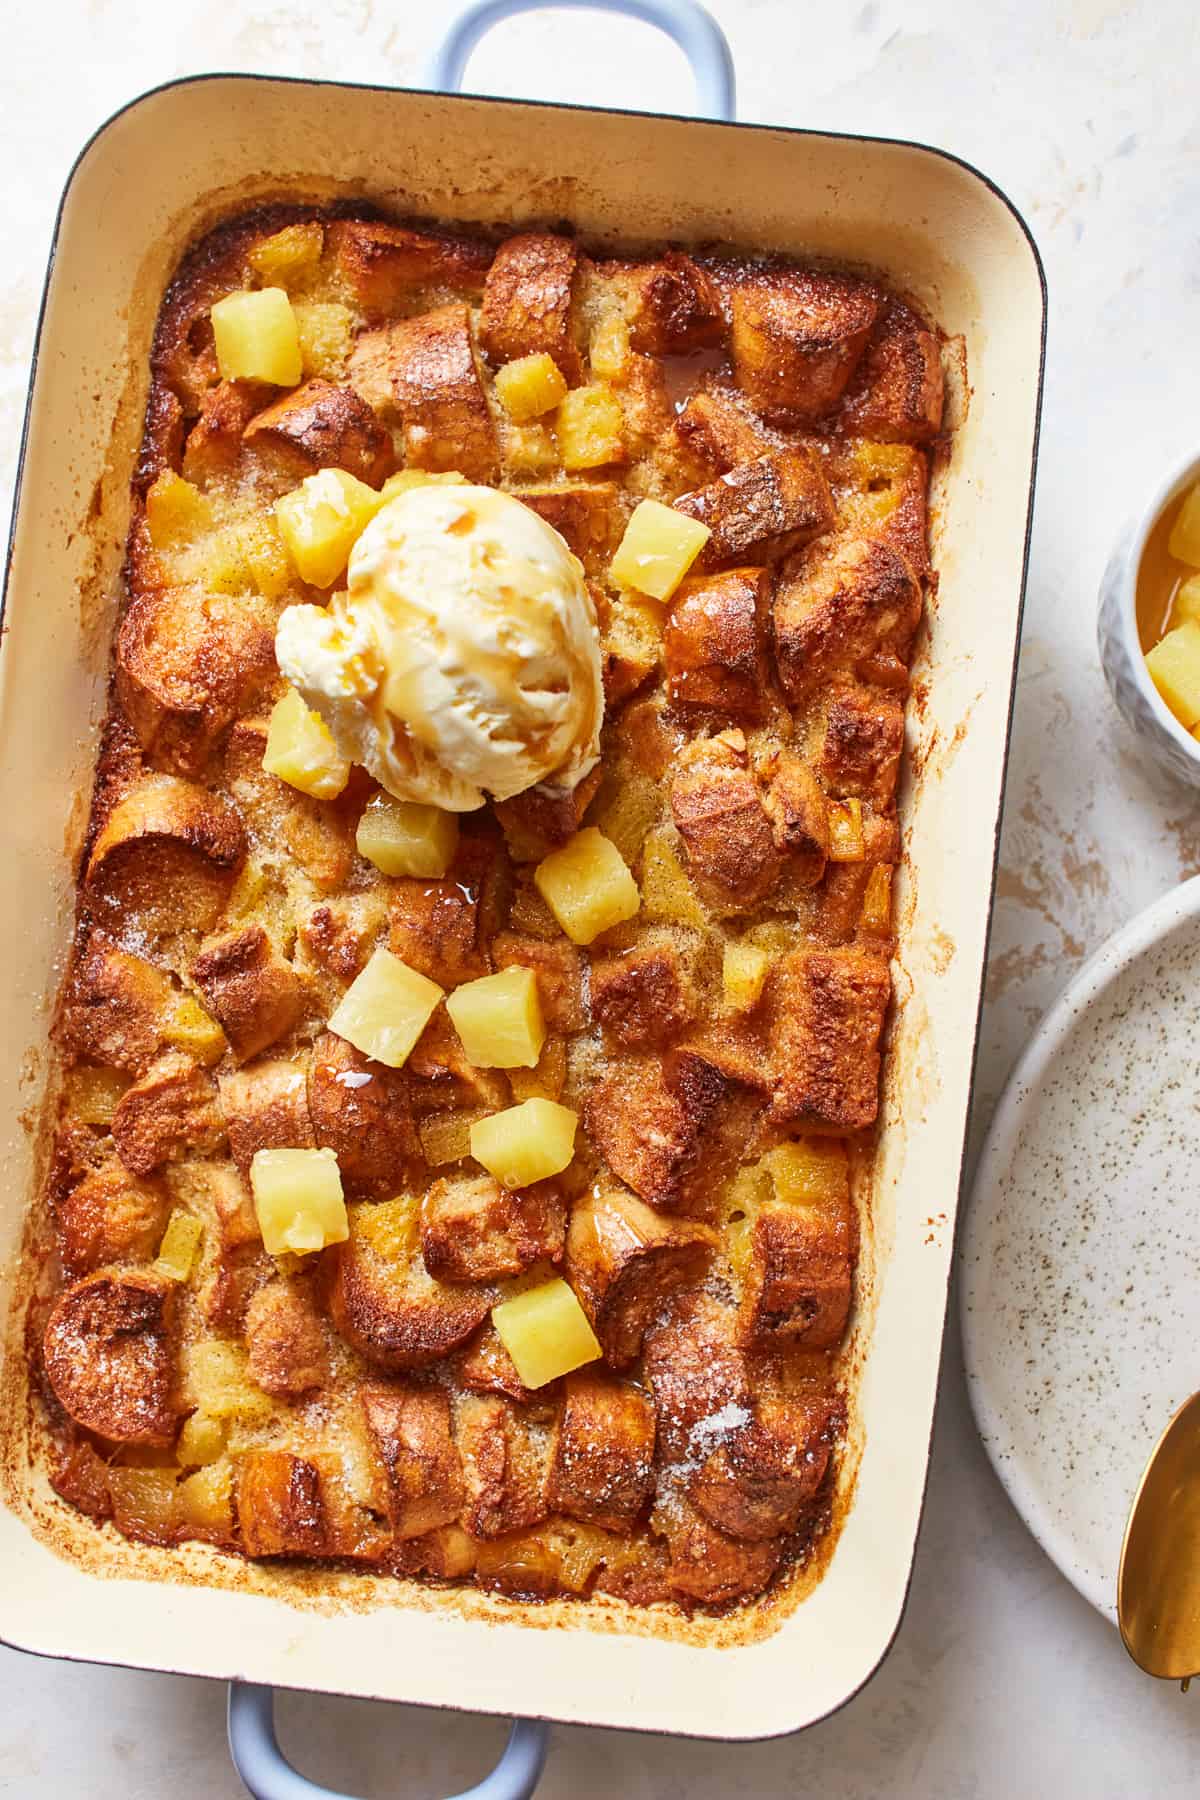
(298, 1200)
(195, 1030)
(93, 1094)
(301, 751)
(546, 1332)
(256, 337)
(807, 1172)
(1174, 665)
(591, 428)
(658, 548)
(530, 386)
(846, 831)
(265, 557)
(288, 252)
(499, 1019)
(744, 973)
(385, 1009)
(326, 332)
(175, 510)
(217, 1381)
(1184, 542)
(530, 450)
(446, 1136)
(144, 1501)
(205, 1499)
(201, 1440)
(405, 479)
(180, 1241)
(321, 520)
(876, 914)
(403, 837)
(1186, 604)
(525, 1143)
(667, 893)
(587, 885)
(609, 349)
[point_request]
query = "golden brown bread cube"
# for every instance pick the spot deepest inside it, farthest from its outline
(713, 643)
(485, 1367)
(643, 996)
(411, 1430)
(672, 305)
(472, 1229)
(527, 302)
(215, 440)
(250, 988)
(624, 1261)
(434, 926)
(880, 491)
(827, 1009)
(383, 1300)
(280, 1508)
(796, 337)
(862, 743)
(390, 268)
(897, 390)
(240, 1264)
(362, 1111)
(322, 426)
(543, 817)
(699, 1374)
(794, 802)
(648, 1117)
(558, 966)
(285, 1340)
(114, 1007)
(165, 858)
(265, 1107)
(168, 1111)
(838, 604)
(109, 1217)
(588, 515)
(705, 1563)
(504, 1466)
(339, 935)
(109, 1353)
(798, 1274)
(717, 429)
(442, 1080)
(719, 814)
(602, 1452)
(313, 833)
(758, 1479)
(423, 374)
(762, 508)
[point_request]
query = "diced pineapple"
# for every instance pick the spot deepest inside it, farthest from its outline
(217, 1381)
(180, 1242)
(744, 972)
(876, 914)
(326, 333)
(282, 257)
(175, 510)
(530, 386)
(587, 885)
(446, 1136)
(530, 450)
(265, 556)
(525, 1143)
(846, 831)
(667, 893)
(1184, 542)
(626, 811)
(590, 427)
(321, 520)
(609, 348)
(201, 1440)
(385, 1009)
(808, 1171)
(144, 1501)
(1187, 600)
(1174, 665)
(256, 337)
(403, 837)
(406, 479)
(499, 1019)
(546, 1332)
(205, 1499)
(301, 751)
(658, 548)
(193, 1029)
(547, 1078)
(93, 1094)
(298, 1200)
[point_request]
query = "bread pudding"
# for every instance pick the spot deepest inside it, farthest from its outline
(452, 1161)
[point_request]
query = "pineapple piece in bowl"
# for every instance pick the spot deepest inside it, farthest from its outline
(525, 1143)
(590, 427)
(530, 386)
(256, 338)
(499, 1019)
(301, 751)
(1174, 665)
(298, 1200)
(546, 1332)
(385, 1009)
(403, 837)
(587, 885)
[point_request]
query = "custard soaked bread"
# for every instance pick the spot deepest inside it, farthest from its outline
(457, 1189)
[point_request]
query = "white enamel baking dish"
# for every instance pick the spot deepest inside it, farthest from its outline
(146, 184)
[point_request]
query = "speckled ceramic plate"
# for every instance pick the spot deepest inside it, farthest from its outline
(1079, 1291)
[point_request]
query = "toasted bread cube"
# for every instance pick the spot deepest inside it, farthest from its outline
(546, 1332)
(410, 1428)
(423, 375)
(201, 1440)
(301, 751)
(280, 1506)
(167, 1113)
(587, 886)
(898, 388)
(322, 426)
(180, 1242)
(472, 1229)
(718, 811)
(643, 995)
(320, 521)
(762, 508)
(1184, 541)
(530, 386)
(590, 426)
(528, 301)
(1174, 665)
(625, 1261)
(166, 857)
(743, 975)
(499, 1019)
(298, 1200)
(326, 333)
(385, 1010)
(796, 337)
(256, 339)
(383, 1300)
(525, 1143)
(632, 642)
(712, 643)
(652, 1119)
(266, 1108)
(288, 252)
(253, 990)
(602, 1460)
(109, 1353)
(658, 548)
(285, 1338)
(827, 1014)
(175, 510)
(797, 1278)
(402, 837)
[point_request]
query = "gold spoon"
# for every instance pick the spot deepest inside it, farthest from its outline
(1158, 1584)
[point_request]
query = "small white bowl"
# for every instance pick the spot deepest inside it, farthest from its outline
(1121, 654)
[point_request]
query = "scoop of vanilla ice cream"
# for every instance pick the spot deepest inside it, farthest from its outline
(464, 659)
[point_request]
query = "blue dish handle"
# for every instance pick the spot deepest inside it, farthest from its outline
(693, 29)
(252, 1742)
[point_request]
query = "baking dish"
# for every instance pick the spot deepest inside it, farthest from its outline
(155, 176)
